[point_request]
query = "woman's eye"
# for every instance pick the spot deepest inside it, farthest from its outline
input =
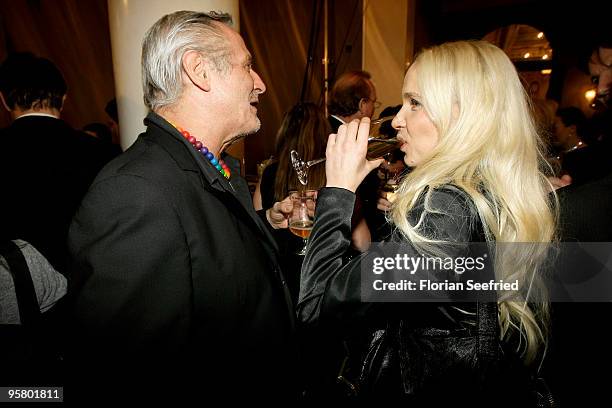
(414, 103)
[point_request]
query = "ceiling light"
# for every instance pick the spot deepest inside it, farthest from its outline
(590, 94)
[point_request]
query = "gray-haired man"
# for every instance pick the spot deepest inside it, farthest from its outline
(176, 276)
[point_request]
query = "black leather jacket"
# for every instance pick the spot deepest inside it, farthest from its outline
(420, 352)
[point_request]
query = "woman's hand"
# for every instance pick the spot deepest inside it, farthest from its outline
(346, 165)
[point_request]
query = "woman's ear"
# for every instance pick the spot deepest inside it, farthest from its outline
(196, 69)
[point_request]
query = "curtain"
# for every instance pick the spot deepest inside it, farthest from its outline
(278, 35)
(74, 35)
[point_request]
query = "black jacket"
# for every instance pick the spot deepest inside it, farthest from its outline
(334, 123)
(423, 353)
(176, 277)
(578, 351)
(45, 170)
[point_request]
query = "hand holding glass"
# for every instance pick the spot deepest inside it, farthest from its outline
(379, 144)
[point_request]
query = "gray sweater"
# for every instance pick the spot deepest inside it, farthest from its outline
(50, 285)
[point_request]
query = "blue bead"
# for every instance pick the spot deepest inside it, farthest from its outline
(210, 156)
(204, 150)
(218, 166)
(214, 161)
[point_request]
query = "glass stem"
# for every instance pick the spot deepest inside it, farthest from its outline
(316, 161)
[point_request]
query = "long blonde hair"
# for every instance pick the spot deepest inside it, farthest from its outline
(489, 147)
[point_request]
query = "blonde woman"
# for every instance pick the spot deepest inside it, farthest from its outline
(467, 132)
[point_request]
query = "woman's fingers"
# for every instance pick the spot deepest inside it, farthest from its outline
(351, 133)
(346, 155)
(363, 132)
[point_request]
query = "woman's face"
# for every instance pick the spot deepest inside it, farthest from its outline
(415, 129)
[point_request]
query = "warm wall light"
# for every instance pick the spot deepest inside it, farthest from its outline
(546, 71)
(540, 35)
(527, 55)
(545, 56)
(590, 95)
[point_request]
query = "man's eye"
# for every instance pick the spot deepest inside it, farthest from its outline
(595, 79)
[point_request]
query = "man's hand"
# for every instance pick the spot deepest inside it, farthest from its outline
(383, 203)
(278, 215)
(557, 182)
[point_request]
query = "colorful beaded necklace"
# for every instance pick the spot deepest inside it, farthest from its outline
(218, 163)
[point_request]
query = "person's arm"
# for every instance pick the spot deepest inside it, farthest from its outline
(330, 291)
(131, 266)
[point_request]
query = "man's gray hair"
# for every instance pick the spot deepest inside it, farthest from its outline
(168, 40)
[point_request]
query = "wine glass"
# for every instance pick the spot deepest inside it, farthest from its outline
(302, 216)
(379, 144)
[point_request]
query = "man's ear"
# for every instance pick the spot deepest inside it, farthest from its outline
(196, 69)
(362, 105)
(63, 102)
(4, 102)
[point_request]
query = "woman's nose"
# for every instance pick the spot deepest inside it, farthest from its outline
(397, 122)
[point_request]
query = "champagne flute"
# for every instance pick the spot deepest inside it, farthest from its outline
(379, 144)
(302, 216)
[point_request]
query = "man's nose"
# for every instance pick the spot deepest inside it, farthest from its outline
(258, 83)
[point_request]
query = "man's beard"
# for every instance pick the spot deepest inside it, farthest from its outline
(240, 136)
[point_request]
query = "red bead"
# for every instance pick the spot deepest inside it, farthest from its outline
(198, 145)
(185, 134)
(224, 166)
(192, 139)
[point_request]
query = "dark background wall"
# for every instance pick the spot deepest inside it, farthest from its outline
(569, 27)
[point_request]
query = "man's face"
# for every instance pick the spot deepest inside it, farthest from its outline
(561, 134)
(239, 90)
(600, 68)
